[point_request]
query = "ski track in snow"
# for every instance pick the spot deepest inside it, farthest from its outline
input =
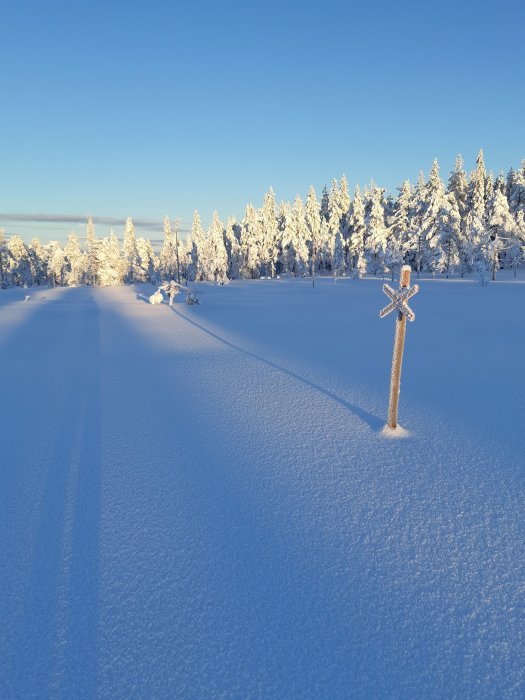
(199, 501)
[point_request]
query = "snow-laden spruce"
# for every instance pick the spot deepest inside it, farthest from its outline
(474, 225)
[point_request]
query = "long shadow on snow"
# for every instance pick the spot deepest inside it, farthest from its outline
(373, 421)
(295, 616)
(231, 577)
(143, 298)
(82, 633)
(61, 596)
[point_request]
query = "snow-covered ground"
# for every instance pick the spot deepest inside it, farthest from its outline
(198, 501)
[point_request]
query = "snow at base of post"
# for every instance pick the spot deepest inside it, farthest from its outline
(397, 432)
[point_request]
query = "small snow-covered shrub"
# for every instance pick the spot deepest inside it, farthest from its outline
(156, 298)
(191, 299)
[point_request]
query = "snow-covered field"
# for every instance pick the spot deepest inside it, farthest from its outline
(197, 502)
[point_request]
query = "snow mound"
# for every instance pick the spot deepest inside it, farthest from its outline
(397, 432)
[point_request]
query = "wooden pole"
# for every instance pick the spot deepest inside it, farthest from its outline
(397, 359)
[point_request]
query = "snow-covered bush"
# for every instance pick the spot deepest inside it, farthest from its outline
(156, 298)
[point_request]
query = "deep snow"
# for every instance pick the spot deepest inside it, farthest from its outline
(200, 502)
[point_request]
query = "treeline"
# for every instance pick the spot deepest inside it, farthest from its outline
(473, 224)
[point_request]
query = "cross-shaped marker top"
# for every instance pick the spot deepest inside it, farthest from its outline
(399, 300)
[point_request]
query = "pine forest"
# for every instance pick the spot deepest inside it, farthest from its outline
(473, 225)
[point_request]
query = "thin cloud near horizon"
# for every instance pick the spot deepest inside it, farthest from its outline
(81, 220)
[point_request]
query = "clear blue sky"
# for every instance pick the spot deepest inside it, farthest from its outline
(150, 108)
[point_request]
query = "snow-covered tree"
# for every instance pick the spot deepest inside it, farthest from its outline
(516, 247)
(112, 266)
(196, 244)
(401, 221)
(508, 182)
(215, 258)
(92, 245)
(516, 190)
(476, 198)
(74, 263)
(337, 215)
(458, 187)
(269, 234)
(325, 257)
(499, 184)
(312, 219)
(357, 231)
(489, 188)
(168, 253)
(19, 267)
(486, 253)
(376, 231)
(37, 256)
(299, 236)
(251, 244)
(232, 237)
(147, 264)
(4, 260)
(130, 251)
(179, 253)
(57, 264)
(503, 228)
(393, 257)
(294, 250)
(415, 243)
(344, 204)
(338, 255)
(476, 253)
(433, 213)
(514, 252)
(325, 205)
(287, 250)
(449, 228)
(389, 204)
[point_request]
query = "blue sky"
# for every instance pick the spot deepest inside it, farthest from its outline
(150, 108)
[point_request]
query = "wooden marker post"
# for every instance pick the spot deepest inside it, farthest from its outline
(398, 302)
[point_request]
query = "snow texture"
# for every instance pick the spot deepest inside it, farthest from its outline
(198, 502)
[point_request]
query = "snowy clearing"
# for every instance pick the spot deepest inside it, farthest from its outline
(199, 501)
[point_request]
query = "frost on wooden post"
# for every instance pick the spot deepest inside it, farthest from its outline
(398, 302)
